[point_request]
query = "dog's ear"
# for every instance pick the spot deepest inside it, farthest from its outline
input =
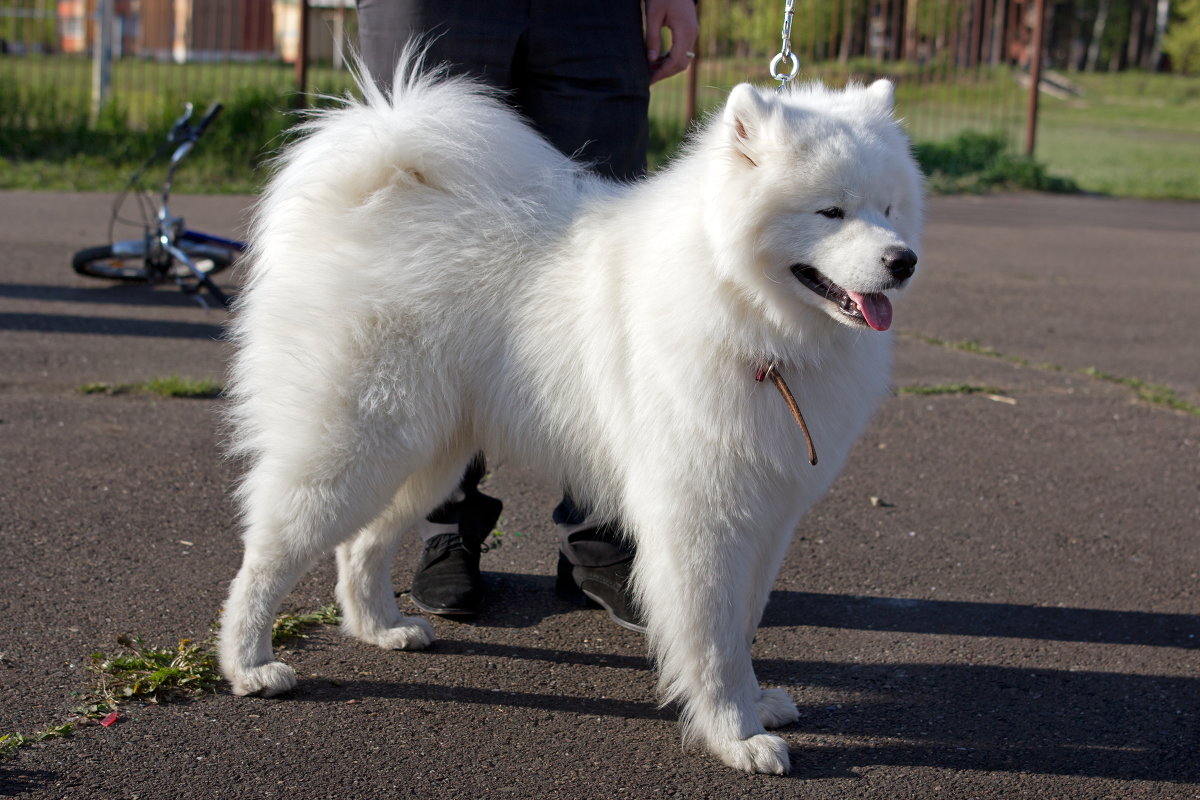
(882, 95)
(746, 114)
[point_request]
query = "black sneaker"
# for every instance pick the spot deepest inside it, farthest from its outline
(447, 580)
(594, 566)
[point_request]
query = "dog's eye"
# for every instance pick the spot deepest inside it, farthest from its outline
(833, 212)
(887, 212)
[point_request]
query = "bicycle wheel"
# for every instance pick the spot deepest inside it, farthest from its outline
(102, 262)
(208, 258)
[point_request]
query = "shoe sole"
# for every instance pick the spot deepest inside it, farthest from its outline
(444, 612)
(624, 623)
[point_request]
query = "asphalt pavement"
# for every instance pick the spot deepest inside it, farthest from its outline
(998, 599)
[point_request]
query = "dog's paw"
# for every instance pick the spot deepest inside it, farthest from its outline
(410, 633)
(776, 709)
(267, 680)
(765, 753)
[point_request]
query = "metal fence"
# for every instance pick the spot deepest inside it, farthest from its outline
(958, 63)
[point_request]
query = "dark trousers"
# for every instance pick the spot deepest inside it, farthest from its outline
(576, 69)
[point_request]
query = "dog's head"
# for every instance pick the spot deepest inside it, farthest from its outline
(821, 201)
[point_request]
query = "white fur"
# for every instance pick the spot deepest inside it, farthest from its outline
(430, 279)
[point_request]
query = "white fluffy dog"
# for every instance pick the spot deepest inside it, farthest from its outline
(431, 279)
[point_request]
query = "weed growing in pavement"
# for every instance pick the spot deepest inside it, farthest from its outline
(169, 386)
(1153, 393)
(950, 388)
(1150, 392)
(150, 674)
(155, 674)
(973, 346)
(499, 535)
(11, 742)
(291, 626)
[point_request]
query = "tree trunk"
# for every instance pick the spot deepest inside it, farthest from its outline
(1162, 12)
(1093, 55)
(1133, 45)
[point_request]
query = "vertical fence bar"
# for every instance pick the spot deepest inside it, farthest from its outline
(102, 57)
(302, 54)
(1035, 76)
(689, 106)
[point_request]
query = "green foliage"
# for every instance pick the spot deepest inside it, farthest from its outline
(11, 742)
(1182, 42)
(52, 127)
(1130, 134)
(499, 536)
(176, 386)
(150, 673)
(292, 626)
(977, 162)
(169, 386)
(950, 388)
(1153, 393)
(1150, 392)
(30, 22)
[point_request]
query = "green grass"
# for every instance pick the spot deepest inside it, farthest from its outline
(973, 162)
(1129, 134)
(150, 674)
(142, 673)
(949, 388)
(1153, 393)
(292, 626)
(11, 742)
(169, 386)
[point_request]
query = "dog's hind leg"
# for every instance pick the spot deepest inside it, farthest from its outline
(364, 588)
(292, 517)
(696, 596)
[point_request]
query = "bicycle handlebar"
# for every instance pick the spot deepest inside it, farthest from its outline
(209, 116)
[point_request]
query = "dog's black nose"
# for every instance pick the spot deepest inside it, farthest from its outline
(900, 261)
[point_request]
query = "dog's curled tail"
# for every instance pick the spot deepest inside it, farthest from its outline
(433, 131)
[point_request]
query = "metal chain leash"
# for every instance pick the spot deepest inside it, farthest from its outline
(785, 56)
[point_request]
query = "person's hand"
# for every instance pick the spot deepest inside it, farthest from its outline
(679, 17)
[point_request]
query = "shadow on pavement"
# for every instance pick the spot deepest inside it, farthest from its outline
(109, 326)
(1087, 723)
(19, 781)
(124, 294)
(959, 717)
(982, 619)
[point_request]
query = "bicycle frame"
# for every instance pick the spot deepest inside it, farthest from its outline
(166, 250)
(170, 227)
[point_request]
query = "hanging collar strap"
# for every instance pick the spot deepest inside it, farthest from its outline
(768, 370)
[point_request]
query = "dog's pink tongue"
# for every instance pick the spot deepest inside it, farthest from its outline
(876, 309)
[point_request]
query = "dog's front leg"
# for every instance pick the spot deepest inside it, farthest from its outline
(696, 596)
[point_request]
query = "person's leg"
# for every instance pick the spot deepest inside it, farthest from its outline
(595, 562)
(478, 38)
(447, 579)
(585, 82)
(470, 37)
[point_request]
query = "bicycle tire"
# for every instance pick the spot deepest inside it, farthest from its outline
(210, 258)
(99, 262)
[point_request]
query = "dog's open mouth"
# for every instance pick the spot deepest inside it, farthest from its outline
(872, 309)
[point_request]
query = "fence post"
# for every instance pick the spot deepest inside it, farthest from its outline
(1035, 76)
(302, 55)
(102, 57)
(689, 109)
